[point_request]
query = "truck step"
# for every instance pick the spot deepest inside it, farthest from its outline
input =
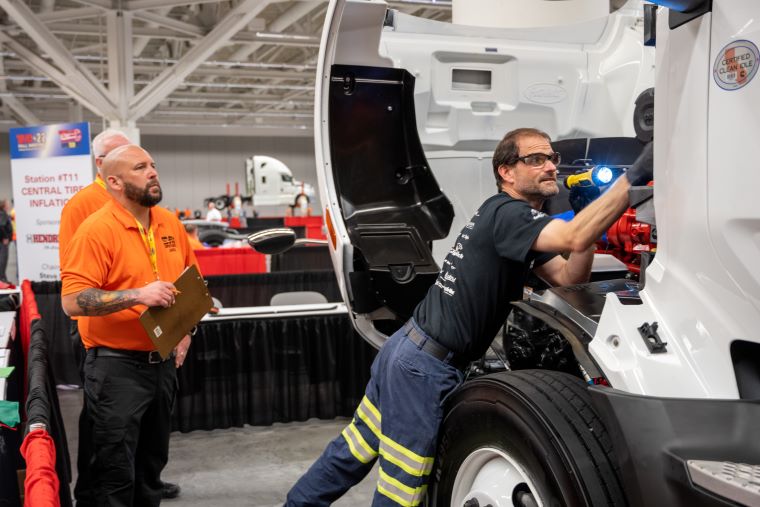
(739, 482)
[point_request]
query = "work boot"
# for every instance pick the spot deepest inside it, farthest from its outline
(169, 490)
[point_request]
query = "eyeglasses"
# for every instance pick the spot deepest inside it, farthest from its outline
(539, 159)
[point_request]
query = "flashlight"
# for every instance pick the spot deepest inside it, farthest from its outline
(596, 176)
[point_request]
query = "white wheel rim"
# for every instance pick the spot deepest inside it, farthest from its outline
(490, 476)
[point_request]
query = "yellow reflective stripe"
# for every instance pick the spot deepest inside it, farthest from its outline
(408, 461)
(400, 492)
(352, 446)
(417, 471)
(370, 418)
(393, 497)
(358, 446)
(375, 412)
(363, 416)
(359, 438)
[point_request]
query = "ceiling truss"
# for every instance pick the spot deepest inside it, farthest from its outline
(220, 66)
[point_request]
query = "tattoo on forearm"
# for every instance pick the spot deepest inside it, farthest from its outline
(102, 302)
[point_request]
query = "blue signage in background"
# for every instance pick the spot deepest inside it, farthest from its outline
(61, 140)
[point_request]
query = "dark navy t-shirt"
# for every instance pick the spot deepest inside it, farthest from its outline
(485, 269)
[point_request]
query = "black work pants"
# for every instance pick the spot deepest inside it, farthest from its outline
(83, 489)
(129, 403)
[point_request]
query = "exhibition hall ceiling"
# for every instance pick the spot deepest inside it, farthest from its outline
(167, 66)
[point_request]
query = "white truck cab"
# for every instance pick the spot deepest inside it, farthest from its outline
(634, 392)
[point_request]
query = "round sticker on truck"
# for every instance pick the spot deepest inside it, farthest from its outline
(736, 65)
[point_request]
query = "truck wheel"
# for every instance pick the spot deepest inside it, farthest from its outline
(220, 203)
(526, 438)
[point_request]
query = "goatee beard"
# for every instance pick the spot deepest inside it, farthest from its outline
(143, 197)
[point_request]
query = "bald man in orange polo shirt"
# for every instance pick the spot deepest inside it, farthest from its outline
(83, 204)
(120, 261)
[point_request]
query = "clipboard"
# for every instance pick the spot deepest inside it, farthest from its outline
(167, 326)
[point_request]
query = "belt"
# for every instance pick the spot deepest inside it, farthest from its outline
(435, 349)
(144, 356)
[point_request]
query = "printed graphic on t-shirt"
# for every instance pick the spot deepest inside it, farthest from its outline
(449, 291)
(446, 280)
(170, 243)
(537, 214)
(457, 251)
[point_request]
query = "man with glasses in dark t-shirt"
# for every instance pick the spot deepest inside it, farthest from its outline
(486, 268)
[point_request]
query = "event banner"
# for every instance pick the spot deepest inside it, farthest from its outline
(49, 164)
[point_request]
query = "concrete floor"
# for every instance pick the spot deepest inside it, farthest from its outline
(249, 466)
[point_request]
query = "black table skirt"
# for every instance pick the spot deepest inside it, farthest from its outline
(231, 290)
(259, 372)
(256, 371)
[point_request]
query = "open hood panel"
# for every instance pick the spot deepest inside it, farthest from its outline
(391, 203)
(379, 166)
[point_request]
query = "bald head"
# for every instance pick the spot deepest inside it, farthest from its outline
(104, 143)
(131, 175)
(114, 162)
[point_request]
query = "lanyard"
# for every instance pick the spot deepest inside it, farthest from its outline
(100, 182)
(150, 244)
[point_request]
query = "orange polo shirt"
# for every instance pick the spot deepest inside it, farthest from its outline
(81, 205)
(107, 252)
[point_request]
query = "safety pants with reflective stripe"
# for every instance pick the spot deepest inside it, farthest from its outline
(397, 421)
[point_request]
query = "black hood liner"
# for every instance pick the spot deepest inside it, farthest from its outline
(380, 170)
(391, 203)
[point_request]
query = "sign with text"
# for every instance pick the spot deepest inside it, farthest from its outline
(49, 164)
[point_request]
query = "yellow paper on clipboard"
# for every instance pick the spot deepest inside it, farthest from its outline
(167, 326)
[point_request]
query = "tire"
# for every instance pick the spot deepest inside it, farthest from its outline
(532, 436)
(221, 202)
(643, 116)
(212, 237)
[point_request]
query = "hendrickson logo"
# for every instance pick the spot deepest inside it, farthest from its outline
(42, 238)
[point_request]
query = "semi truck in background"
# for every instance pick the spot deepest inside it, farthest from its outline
(268, 182)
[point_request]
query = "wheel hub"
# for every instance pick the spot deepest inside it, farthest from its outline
(490, 477)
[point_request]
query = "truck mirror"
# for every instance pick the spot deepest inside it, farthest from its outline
(272, 241)
(650, 24)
